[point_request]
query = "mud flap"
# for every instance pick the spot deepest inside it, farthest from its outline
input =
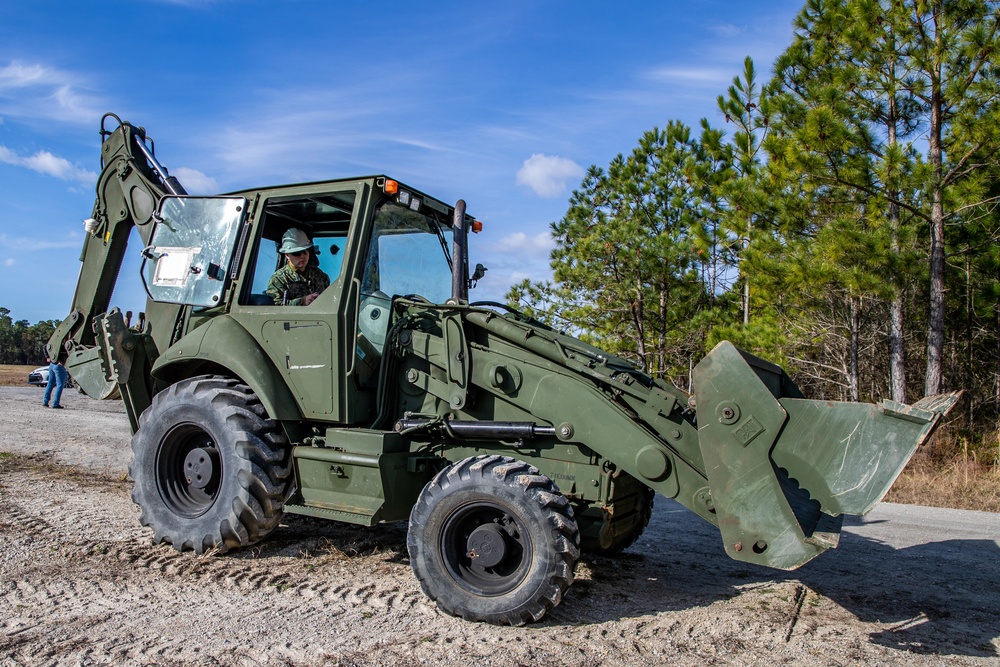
(782, 469)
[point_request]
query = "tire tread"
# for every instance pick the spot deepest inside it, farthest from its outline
(256, 440)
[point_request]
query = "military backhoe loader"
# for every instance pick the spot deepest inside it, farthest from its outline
(507, 445)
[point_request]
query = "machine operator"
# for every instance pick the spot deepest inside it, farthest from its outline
(298, 282)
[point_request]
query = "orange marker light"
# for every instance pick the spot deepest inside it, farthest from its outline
(390, 187)
(477, 226)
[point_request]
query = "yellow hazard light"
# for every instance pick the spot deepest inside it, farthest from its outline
(477, 226)
(391, 187)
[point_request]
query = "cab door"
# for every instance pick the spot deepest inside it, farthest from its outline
(189, 257)
(306, 343)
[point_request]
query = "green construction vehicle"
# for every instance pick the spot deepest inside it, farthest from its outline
(507, 445)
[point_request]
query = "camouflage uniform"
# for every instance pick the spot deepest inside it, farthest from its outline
(298, 285)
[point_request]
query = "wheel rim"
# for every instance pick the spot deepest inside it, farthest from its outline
(486, 548)
(188, 471)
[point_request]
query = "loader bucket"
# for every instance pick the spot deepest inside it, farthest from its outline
(783, 470)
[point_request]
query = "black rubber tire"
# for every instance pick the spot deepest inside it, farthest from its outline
(236, 496)
(607, 545)
(521, 523)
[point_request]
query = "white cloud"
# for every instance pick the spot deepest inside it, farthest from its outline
(19, 75)
(547, 175)
(33, 92)
(520, 243)
(195, 182)
(46, 163)
(715, 76)
(9, 262)
(189, 3)
(726, 30)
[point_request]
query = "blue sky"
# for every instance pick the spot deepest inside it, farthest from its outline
(502, 104)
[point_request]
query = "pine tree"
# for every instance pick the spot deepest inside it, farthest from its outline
(745, 106)
(630, 256)
(864, 80)
(951, 52)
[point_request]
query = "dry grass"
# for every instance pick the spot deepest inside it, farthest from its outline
(961, 483)
(12, 375)
(957, 469)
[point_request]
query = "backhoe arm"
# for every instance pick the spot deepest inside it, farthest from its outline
(129, 188)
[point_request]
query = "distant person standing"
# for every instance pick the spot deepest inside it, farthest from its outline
(57, 378)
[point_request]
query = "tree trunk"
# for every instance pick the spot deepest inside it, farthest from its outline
(746, 282)
(637, 321)
(897, 350)
(897, 346)
(935, 333)
(662, 333)
(996, 372)
(855, 327)
(967, 373)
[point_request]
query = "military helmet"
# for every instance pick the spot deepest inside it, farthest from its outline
(294, 240)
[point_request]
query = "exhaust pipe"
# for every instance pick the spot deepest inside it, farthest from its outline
(460, 250)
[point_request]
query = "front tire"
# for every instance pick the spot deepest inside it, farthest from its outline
(210, 469)
(490, 539)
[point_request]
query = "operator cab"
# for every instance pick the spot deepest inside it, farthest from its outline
(406, 252)
(374, 239)
(325, 219)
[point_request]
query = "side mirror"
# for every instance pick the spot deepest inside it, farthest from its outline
(477, 275)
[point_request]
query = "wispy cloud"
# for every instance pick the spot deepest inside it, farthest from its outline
(34, 91)
(46, 163)
(548, 175)
(512, 259)
(298, 133)
(187, 3)
(27, 244)
(726, 30)
(195, 182)
(762, 37)
(710, 76)
(536, 245)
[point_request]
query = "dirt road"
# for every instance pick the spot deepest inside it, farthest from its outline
(80, 583)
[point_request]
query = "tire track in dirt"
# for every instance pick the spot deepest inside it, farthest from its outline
(89, 578)
(81, 583)
(26, 523)
(280, 575)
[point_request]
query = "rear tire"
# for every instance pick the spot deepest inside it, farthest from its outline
(210, 469)
(490, 539)
(611, 531)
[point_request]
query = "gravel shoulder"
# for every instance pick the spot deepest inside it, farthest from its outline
(81, 584)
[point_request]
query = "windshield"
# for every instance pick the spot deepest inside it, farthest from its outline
(408, 255)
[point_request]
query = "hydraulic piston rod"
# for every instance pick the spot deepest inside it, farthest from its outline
(496, 430)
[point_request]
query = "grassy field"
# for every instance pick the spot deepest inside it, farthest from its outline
(14, 376)
(958, 480)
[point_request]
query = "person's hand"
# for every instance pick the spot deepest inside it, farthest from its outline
(309, 298)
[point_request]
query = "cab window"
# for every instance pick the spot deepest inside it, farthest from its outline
(325, 219)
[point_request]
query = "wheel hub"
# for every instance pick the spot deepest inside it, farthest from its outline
(200, 467)
(487, 546)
